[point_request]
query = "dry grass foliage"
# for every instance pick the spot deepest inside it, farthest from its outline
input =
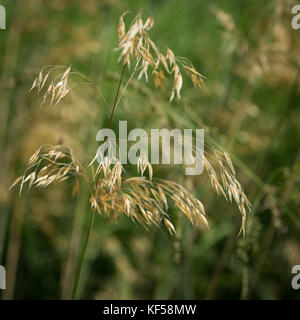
(145, 200)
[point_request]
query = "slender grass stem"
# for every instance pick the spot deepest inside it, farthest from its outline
(86, 240)
(92, 215)
(116, 97)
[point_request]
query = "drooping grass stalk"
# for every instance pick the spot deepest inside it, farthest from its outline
(92, 215)
(142, 199)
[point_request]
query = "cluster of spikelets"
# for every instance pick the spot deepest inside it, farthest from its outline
(229, 187)
(145, 200)
(49, 164)
(142, 199)
(58, 87)
(136, 44)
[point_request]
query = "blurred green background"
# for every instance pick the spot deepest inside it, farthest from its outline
(250, 56)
